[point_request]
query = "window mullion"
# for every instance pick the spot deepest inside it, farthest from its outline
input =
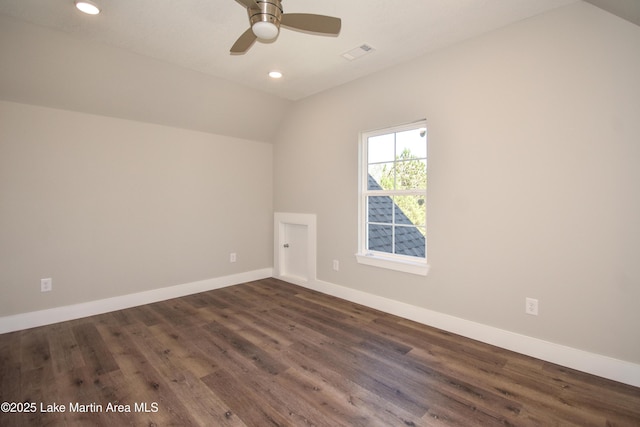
(391, 193)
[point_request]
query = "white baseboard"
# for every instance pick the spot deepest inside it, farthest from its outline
(70, 312)
(596, 364)
(591, 363)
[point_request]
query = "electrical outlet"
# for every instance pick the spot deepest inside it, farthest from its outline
(336, 265)
(233, 257)
(531, 306)
(46, 285)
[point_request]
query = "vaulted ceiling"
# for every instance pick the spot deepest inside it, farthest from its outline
(197, 34)
(110, 63)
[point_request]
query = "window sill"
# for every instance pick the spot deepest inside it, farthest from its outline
(419, 268)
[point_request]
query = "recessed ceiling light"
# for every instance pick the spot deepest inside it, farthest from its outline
(87, 7)
(275, 74)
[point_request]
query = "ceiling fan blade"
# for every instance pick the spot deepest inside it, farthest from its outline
(248, 3)
(312, 23)
(244, 42)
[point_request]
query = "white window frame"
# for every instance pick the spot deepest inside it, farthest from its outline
(404, 263)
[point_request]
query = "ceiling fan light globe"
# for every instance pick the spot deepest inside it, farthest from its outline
(265, 30)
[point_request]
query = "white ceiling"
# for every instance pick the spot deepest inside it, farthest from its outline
(197, 34)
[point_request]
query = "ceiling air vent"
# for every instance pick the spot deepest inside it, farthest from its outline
(358, 52)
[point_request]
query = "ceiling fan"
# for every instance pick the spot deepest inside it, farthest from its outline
(266, 17)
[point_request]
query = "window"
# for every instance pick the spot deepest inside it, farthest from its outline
(393, 194)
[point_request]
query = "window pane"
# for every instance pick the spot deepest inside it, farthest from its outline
(411, 175)
(410, 241)
(380, 209)
(410, 210)
(412, 142)
(380, 238)
(380, 177)
(380, 148)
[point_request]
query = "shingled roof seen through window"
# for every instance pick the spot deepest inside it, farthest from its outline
(409, 240)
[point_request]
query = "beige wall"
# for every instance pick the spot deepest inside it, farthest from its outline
(109, 207)
(533, 177)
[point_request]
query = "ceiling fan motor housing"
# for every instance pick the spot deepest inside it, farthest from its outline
(266, 16)
(269, 11)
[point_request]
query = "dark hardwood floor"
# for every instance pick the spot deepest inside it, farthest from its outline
(268, 353)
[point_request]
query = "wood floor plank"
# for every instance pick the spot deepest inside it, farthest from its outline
(245, 348)
(178, 313)
(184, 355)
(35, 349)
(380, 380)
(10, 366)
(271, 353)
(244, 402)
(145, 384)
(176, 368)
(363, 407)
(66, 354)
(314, 390)
(95, 352)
